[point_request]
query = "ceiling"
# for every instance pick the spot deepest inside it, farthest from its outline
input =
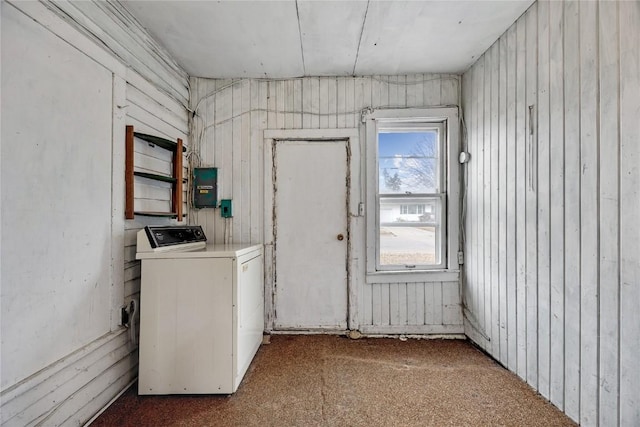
(289, 38)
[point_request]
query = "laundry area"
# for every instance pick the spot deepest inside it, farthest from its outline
(302, 212)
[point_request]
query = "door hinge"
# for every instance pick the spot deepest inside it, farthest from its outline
(460, 258)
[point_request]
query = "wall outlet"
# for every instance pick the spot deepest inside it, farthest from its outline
(225, 208)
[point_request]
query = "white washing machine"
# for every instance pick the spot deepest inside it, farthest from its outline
(201, 311)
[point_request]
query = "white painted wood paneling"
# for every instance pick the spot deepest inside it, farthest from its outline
(316, 103)
(56, 198)
(104, 72)
(531, 221)
(567, 218)
(629, 193)
(589, 214)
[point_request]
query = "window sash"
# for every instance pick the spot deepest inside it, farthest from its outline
(395, 126)
(439, 224)
(399, 126)
(448, 120)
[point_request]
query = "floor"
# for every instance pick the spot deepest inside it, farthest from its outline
(322, 380)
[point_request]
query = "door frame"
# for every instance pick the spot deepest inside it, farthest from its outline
(355, 214)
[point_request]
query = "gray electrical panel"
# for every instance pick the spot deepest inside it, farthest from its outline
(205, 187)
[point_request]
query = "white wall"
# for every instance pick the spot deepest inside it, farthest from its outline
(69, 89)
(552, 272)
(232, 116)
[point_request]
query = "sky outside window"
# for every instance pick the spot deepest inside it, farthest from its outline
(408, 162)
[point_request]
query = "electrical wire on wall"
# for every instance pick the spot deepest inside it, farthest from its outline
(198, 129)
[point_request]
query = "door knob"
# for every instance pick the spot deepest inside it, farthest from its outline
(340, 237)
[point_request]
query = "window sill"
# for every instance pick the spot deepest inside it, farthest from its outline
(413, 276)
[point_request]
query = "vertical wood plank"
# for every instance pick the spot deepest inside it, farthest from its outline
(412, 303)
(227, 225)
(314, 95)
(379, 91)
(472, 194)
(324, 101)
(429, 304)
(220, 115)
(479, 257)
(403, 304)
(236, 159)
(350, 111)
(437, 303)
(401, 83)
(385, 297)
(281, 104)
(486, 191)
(544, 287)
(511, 200)
(394, 303)
(494, 328)
(432, 85)
(207, 151)
(556, 128)
(332, 103)
(289, 104)
(449, 89)
(271, 105)
(341, 101)
(588, 214)
(307, 96)
(362, 94)
(258, 124)
(609, 137)
(531, 199)
(297, 105)
(572, 210)
(285, 104)
(629, 19)
(394, 91)
(414, 90)
(420, 306)
(521, 238)
(502, 201)
(245, 162)
(450, 303)
(376, 304)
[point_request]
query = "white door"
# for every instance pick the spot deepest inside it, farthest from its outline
(310, 220)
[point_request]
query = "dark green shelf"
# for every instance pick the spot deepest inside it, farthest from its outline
(160, 142)
(158, 214)
(155, 176)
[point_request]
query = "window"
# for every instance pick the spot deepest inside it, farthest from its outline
(412, 209)
(413, 187)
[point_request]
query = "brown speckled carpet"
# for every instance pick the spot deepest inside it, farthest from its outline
(322, 380)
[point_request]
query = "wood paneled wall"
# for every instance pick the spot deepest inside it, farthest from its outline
(552, 221)
(146, 90)
(231, 118)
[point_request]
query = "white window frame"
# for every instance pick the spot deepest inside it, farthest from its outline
(447, 117)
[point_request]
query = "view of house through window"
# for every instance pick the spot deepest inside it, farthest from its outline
(410, 196)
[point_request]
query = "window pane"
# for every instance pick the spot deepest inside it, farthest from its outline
(406, 236)
(408, 162)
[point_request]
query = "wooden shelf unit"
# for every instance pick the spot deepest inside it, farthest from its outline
(175, 180)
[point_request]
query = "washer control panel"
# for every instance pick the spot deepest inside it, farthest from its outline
(161, 236)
